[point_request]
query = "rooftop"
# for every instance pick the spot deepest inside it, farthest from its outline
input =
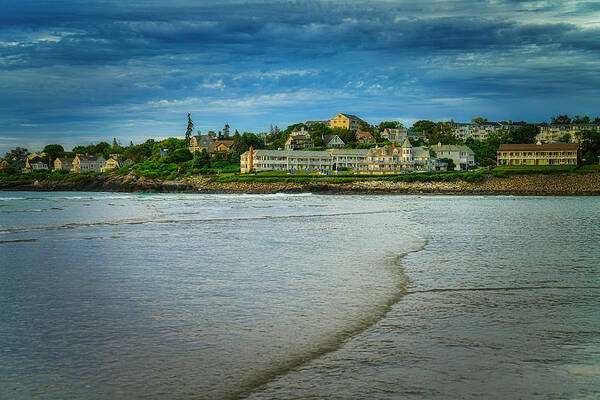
(539, 147)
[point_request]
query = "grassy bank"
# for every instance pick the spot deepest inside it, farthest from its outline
(229, 174)
(55, 176)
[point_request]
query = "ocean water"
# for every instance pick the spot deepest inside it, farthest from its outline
(171, 296)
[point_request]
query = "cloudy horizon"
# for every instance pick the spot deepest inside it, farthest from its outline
(82, 73)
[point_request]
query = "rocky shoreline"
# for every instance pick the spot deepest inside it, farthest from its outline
(531, 185)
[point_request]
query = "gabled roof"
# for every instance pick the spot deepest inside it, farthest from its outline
(366, 134)
(290, 153)
(406, 144)
(216, 143)
(226, 142)
(352, 117)
(348, 152)
(203, 140)
(85, 158)
(418, 152)
(329, 138)
(36, 160)
(386, 150)
(309, 123)
(539, 147)
(451, 147)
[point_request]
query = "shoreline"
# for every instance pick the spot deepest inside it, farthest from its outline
(567, 184)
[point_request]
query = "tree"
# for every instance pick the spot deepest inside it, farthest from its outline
(201, 159)
(348, 136)
(390, 124)
(561, 119)
(524, 134)
(597, 120)
(171, 144)
(250, 139)
(235, 157)
(423, 126)
(131, 143)
(478, 120)
(581, 120)
(589, 158)
(274, 132)
(115, 143)
(17, 154)
(178, 155)
(318, 131)
(100, 148)
(590, 143)
(237, 142)
(53, 151)
(442, 133)
(450, 162)
(190, 129)
(566, 138)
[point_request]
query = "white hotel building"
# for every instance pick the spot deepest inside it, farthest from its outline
(284, 160)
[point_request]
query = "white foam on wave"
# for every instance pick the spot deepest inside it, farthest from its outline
(260, 196)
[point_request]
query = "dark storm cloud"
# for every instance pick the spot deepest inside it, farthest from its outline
(116, 34)
(258, 61)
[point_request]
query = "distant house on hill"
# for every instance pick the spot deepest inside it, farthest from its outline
(463, 157)
(310, 123)
(87, 163)
(35, 163)
(221, 146)
(299, 140)
(364, 137)
(63, 164)
(394, 135)
(199, 142)
(346, 121)
(333, 141)
(114, 162)
(553, 133)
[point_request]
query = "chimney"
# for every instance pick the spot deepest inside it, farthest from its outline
(250, 158)
(393, 145)
(87, 154)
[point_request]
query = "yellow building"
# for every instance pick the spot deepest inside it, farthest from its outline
(554, 133)
(63, 164)
(114, 162)
(87, 163)
(221, 146)
(396, 160)
(346, 121)
(538, 154)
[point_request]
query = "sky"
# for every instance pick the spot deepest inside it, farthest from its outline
(81, 72)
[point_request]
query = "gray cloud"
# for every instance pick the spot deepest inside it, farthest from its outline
(66, 62)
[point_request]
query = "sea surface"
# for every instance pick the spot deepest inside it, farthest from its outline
(172, 296)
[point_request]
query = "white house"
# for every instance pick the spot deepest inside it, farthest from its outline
(463, 157)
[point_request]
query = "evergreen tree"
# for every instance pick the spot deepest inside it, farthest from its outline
(561, 119)
(115, 143)
(190, 129)
(53, 151)
(204, 159)
(237, 143)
